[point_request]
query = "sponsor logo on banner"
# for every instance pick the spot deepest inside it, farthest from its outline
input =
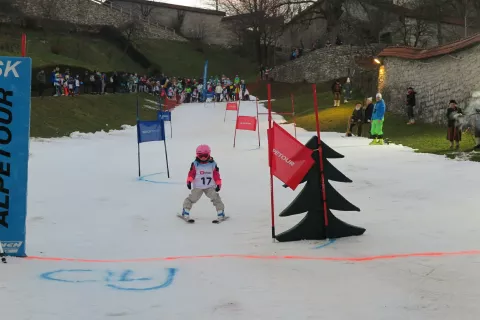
(232, 106)
(246, 123)
(150, 131)
(283, 157)
(11, 247)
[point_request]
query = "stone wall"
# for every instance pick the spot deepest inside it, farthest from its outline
(323, 65)
(89, 13)
(296, 33)
(200, 24)
(436, 81)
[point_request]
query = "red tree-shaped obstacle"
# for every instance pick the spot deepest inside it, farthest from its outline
(313, 226)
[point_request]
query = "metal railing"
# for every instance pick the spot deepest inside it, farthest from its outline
(133, 12)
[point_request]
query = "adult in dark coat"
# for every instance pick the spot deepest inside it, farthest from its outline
(454, 130)
(411, 102)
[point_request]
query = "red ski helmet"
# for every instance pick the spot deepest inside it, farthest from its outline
(203, 149)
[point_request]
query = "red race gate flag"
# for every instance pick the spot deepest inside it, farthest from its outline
(290, 160)
(246, 123)
(231, 106)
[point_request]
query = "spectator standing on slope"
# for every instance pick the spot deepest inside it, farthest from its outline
(454, 131)
(347, 88)
(411, 101)
(337, 92)
(378, 116)
(41, 82)
(367, 126)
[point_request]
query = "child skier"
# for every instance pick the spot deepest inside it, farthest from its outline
(204, 177)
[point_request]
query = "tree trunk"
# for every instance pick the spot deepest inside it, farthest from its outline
(439, 33)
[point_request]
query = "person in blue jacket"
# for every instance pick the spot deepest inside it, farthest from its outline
(377, 120)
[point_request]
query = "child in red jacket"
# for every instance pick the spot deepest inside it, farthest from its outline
(204, 176)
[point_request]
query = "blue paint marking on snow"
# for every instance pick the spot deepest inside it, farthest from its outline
(49, 275)
(168, 282)
(326, 244)
(144, 179)
(123, 280)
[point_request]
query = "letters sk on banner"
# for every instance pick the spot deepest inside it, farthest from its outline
(290, 160)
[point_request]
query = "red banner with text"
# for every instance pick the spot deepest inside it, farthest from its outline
(290, 160)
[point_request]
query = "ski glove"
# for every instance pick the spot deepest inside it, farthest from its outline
(218, 188)
(189, 185)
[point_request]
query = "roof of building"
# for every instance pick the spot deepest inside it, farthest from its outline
(420, 53)
(177, 7)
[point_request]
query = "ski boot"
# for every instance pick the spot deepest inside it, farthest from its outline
(185, 214)
(220, 215)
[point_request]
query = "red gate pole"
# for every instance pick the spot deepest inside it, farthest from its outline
(320, 154)
(24, 45)
(270, 154)
(293, 115)
(258, 124)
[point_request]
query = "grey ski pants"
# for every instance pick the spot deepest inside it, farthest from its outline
(196, 194)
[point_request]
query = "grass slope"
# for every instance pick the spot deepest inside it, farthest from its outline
(73, 50)
(427, 138)
(90, 52)
(60, 116)
(187, 59)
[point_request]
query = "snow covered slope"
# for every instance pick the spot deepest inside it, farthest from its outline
(137, 260)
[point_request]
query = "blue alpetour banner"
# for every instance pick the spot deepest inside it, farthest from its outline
(205, 71)
(150, 131)
(15, 87)
(164, 115)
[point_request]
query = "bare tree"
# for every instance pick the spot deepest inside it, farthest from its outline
(260, 20)
(465, 9)
(199, 31)
(177, 22)
(329, 10)
(366, 30)
(131, 31)
(145, 10)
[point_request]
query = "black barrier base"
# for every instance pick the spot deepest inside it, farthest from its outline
(309, 200)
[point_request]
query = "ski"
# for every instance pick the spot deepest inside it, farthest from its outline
(189, 220)
(218, 221)
(2, 254)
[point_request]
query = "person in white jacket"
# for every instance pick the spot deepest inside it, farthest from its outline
(218, 92)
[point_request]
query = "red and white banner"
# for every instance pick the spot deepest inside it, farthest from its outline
(246, 123)
(289, 159)
(232, 106)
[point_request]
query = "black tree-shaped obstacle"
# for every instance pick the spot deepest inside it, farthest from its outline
(313, 226)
